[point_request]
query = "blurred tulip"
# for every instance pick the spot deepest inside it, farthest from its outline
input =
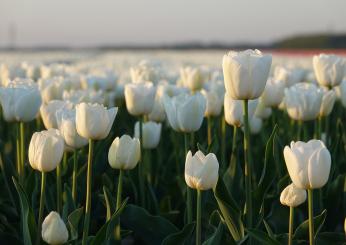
(262, 111)
(124, 153)
(191, 78)
(185, 112)
(94, 121)
(246, 73)
(139, 98)
(201, 172)
(143, 72)
(329, 69)
(46, 149)
(214, 103)
(303, 101)
(289, 76)
(151, 134)
(48, 112)
(255, 124)
(51, 89)
(273, 93)
(54, 230)
(308, 164)
(328, 101)
(292, 196)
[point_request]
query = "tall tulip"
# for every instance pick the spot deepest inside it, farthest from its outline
(329, 69)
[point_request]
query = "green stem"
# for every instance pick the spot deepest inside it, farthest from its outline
(311, 217)
(188, 189)
(247, 166)
(120, 188)
(199, 215)
(58, 184)
(319, 128)
(74, 176)
(209, 122)
(22, 149)
(192, 142)
(234, 145)
(291, 226)
(19, 165)
(223, 140)
(140, 165)
(299, 131)
(42, 203)
(88, 194)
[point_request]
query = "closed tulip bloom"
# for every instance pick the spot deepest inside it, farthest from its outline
(246, 73)
(66, 121)
(143, 72)
(214, 103)
(139, 98)
(94, 121)
(54, 230)
(158, 114)
(328, 101)
(255, 124)
(48, 112)
(340, 92)
(151, 134)
(262, 111)
(201, 172)
(124, 153)
(308, 164)
(303, 101)
(233, 110)
(289, 76)
(292, 196)
(329, 69)
(20, 101)
(52, 89)
(185, 112)
(46, 149)
(273, 93)
(191, 78)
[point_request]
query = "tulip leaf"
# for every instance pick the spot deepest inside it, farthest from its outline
(73, 222)
(27, 216)
(180, 237)
(69, 205)
(216, 237)
(151, 229)
(229, 210)
(302, 231)
(331, 238)
(268, 229)
(109, 202)
(262, 237)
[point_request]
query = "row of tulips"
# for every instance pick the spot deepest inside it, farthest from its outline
(74, 116)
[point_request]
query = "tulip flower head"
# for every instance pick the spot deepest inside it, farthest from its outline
(292, 196)
(308, 164)
(273, 93)
(214, 103)
(191, 78)
(328, 101)
(48, 112)
(151, 134)
(201, 172)
(54, 230)
(329, 69)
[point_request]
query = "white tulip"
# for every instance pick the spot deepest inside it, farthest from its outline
(51, 89)
(328, 101)
(94, 121)
(273, 93)
(233, 110)
(46, 149)
(329, 69)
(340, 92)
(151, 134)
(124, 153)
(66, 121)
(201, 172)
(263, 111)
(48, 112)
(54, 230)
(142, 73)
(185, 112)
(292, 196)
(139, 98)
(191, 78)
(290, 76)
(255, 124)
(308, 164)
(303, 101)
(214, 103)
(246, 73)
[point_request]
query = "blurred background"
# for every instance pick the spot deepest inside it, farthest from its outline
(179, 24)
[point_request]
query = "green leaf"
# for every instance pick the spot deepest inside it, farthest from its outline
(302, 231)
(27, 216)
(73, 222)
(216, 238)
(262, 237)
(109, 202)
(151, 229)
(269, 230)
(331, 238)
(180, 237)
(230, 210)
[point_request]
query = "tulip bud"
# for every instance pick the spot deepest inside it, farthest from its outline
(151, 134)
(328, 101)
(214, 103)
(54, 230)
(201, 172)
(185, 112)
(246, 73)
(292, 196)
(124, 153)
(329, 69)
(191, 78)
(139, 98)
(308, 164)
(303, 101)
(94, 121)
(48, 112)
(46, 149)
(289, 76)
(273, 93)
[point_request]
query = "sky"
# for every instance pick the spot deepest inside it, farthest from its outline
(89, 23)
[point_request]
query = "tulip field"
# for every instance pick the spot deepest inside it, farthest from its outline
(172, 147)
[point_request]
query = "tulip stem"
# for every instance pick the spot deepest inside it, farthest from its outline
(210, 125)
(188, 190)
(223, 140)
(140, 166)
(247, 167)
(299, 131)
(74, 176)
(19, 165)
(22, 151)
(88, 194)
(234, 146)
(58, 184)
(42, 203)
(311, 217)
(319, 128)
(291, 225)
(199, 214)
(120, 187)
